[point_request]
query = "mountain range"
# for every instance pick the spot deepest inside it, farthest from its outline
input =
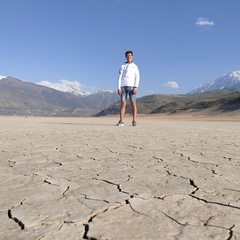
(230, 82)
(221, 94)
(18, 97)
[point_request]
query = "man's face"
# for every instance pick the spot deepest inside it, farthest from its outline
(129, 57)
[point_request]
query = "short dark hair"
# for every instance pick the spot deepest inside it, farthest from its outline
(128, 52)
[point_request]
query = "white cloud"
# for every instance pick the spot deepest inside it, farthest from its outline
(203, 22)
(171, 84)
(62, 85)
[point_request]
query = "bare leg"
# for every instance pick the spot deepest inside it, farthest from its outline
(122, 110)
(134, 110)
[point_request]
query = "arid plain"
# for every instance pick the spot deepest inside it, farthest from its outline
(171, 177)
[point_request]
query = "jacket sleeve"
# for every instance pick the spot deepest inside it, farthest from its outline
(120, 77)
(137, 77)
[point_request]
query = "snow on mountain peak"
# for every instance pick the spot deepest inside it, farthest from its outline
(77, 92)
(65, 86)
(2, 77)
(222, 82)
(234, 75)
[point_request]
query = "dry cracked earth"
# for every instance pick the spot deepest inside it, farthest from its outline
(85, 178)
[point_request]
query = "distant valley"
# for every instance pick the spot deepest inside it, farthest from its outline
(22, 98)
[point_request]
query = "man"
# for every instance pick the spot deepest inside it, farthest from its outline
(128, 81)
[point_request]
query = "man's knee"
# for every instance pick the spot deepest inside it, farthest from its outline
(123, 104)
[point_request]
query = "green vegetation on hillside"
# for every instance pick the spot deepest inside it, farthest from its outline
(221, 100)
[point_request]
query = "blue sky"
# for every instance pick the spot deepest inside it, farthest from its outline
(177, 44)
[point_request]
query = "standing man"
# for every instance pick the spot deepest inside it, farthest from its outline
(128, 81)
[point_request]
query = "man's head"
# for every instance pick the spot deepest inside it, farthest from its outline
(129, 56)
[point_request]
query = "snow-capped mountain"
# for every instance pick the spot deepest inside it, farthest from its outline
(84, 93)
(66, 86)
(75, 91)
(230, 81)
(26, 98)
(72, 87)
(2, 77)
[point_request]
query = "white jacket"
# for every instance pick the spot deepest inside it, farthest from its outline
(128, 75)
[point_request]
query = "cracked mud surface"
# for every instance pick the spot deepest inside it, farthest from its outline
(85, 178)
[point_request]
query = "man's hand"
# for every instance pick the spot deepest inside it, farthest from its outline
(119, 92)
(134, 90)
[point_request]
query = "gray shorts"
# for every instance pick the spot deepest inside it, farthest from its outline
(127, 91)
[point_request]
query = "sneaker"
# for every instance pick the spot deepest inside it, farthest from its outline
(120, 123)
(134, 123)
